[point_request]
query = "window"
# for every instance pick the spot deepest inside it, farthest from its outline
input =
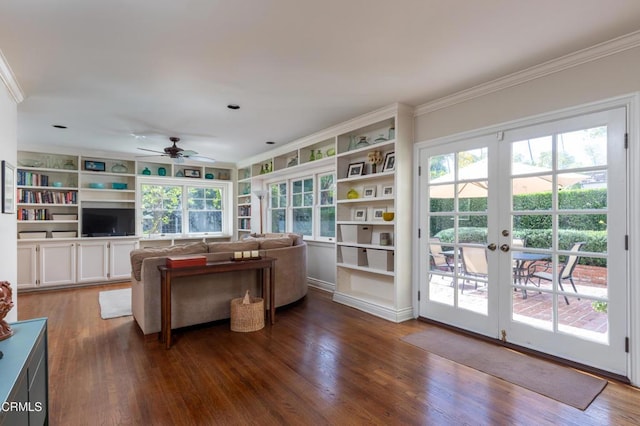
(205, 210)
(161, 209)
(310, 210)
(302, 206)
(278, 206)
(327, 208)
(183, 209)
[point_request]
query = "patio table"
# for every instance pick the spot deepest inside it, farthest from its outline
(520, 271)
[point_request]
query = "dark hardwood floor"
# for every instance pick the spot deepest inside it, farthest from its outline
(321, 363)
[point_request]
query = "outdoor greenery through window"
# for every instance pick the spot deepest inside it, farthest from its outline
(165, 206)
(326, 187)
(205, 210)
(278, 206)
(302, 205)
(310, 209)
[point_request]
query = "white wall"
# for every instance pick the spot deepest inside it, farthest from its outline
(608, 77)
(8, 226)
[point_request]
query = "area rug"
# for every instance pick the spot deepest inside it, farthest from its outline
(115, 303)
(546, 378)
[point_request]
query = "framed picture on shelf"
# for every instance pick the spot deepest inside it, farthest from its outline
(360, 214)
(387, 191)
(377, 213)
(389, 162)
(8, 188)
(369, 192)
(94, 166)
(192, 173)
(355, 169)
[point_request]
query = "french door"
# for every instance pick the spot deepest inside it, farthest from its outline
(523, 237)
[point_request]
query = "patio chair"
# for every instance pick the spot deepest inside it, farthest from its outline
(474, 264)
(438, 260)
(544, 272)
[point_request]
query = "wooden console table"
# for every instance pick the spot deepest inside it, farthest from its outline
(265, 266)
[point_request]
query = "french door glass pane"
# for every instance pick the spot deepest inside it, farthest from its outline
(582, 148)
(561, 285)
(531, 155)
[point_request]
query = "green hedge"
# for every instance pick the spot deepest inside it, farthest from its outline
(568, 199)
(596, 241)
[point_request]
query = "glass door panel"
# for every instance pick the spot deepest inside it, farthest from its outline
(457, 185)
(560, 192)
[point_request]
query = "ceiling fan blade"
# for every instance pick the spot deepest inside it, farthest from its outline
(151, 150)
(201, 158)
(189, 153)
(146, 156)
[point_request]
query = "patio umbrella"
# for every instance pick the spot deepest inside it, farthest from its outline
(527, 179)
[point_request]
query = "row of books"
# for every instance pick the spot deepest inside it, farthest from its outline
(33, 214)
(32, 179)
(46, 197)
(244, 210)
(245, 223)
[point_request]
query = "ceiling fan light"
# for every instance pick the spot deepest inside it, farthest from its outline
(178, 160)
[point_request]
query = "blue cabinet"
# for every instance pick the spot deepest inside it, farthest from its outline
(24, 375)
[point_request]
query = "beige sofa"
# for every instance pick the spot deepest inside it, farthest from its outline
(206, 298)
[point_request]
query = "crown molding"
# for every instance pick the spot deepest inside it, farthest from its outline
(607, 48)
(9, 80)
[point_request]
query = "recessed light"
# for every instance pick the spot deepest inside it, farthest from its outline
(59, 126)
(233, 106)
(270, 142)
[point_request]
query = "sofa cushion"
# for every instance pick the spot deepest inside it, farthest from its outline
(231, 246)
(272, 243)
(297, 239)
(137, 256)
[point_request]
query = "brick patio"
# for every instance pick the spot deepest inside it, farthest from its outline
(576, 318)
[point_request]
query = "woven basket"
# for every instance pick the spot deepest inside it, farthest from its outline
(247, 313)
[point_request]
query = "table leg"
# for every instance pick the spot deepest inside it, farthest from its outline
(167, 319)
(272, 293)
(263, 292)
(163, 298)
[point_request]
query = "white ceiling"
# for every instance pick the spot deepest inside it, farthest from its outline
(107, 69)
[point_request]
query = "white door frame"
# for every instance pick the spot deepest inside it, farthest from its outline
(632, 103)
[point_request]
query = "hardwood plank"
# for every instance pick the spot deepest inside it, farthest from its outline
(321, 363)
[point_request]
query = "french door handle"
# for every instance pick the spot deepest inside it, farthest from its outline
(504, 247)
(492, 247)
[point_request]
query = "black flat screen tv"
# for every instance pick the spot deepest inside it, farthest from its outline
(98, 222)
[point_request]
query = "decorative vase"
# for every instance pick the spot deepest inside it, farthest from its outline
(352, 143)
(380, 138)
(385, 239)
(119, 168)
(312, 157)
(6, 303)
(352, 194)
(162, 171)
(318, 155)
(179, 173)
(69, 165)
(392, 133)
(209, 176)
(146, 171)
(362, 142)
(388, 216)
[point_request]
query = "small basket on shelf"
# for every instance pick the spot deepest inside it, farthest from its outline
(247, 313)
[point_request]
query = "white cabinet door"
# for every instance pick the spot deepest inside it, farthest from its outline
(27, 265)
(57, 263)
(120, 263)
(93, 261)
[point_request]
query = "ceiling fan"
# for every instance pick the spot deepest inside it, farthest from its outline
(178, 154)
